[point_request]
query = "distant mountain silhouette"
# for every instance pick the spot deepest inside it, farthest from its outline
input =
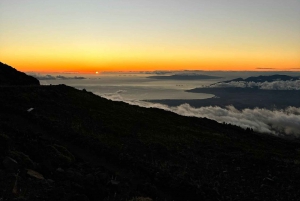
(184, 77)
(265, 78)
(10, 76)
(248, 96)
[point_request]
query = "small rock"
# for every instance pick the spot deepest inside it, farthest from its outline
(268, 179)
(103, 177)
(70, 174)
(35, 174)
(149, 189)
(78, 177)
(78, 188)
(20, 199)
(58, 193)
(89, 179)
(114, 182)
(10, 164)
(114, 185)
(2, 174)
(37, 166)
(30, 109)
(60, 170)
(79, 197)
(50, 181)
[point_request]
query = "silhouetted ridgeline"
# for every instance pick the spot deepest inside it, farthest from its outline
(10, 76)
(193, 76)
(74, 145)
(265, 78)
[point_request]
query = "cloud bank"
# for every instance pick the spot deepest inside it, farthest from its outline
(59, 77)
(276, 85)
(278, 122)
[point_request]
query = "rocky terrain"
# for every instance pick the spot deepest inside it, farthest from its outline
(60, 143)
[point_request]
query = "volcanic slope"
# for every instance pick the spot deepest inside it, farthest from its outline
(74, 145)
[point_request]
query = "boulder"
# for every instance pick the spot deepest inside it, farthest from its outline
(35, 174)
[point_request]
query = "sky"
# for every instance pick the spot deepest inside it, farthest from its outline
(123, 35)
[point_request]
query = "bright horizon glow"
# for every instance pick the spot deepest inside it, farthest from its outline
(92, 35)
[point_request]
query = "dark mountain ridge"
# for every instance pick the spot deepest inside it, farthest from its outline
(10, 76)
(74, 145)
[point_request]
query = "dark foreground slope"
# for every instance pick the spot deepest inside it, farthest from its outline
(10, 76)
(90, 148)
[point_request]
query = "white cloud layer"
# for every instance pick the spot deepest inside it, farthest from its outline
(278, 122)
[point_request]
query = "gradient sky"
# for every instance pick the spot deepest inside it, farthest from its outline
(97, 35)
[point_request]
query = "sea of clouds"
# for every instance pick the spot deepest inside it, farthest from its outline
(278, 122)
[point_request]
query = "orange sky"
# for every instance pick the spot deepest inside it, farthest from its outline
(55, 65)
(88, 36)
(187, 60)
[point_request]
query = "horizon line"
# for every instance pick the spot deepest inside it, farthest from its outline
(166, 71)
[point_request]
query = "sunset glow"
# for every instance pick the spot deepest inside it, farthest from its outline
(91, 36)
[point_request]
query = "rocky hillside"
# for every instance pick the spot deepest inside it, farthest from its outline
(10, 76)
(59, 143)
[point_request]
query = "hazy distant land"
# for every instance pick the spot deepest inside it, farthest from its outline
(265, 78)
(241, 98)
(238, 93)
(184, 77)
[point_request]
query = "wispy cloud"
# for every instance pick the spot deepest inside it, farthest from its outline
(263, 68)
(58, 77)
(156, 72)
